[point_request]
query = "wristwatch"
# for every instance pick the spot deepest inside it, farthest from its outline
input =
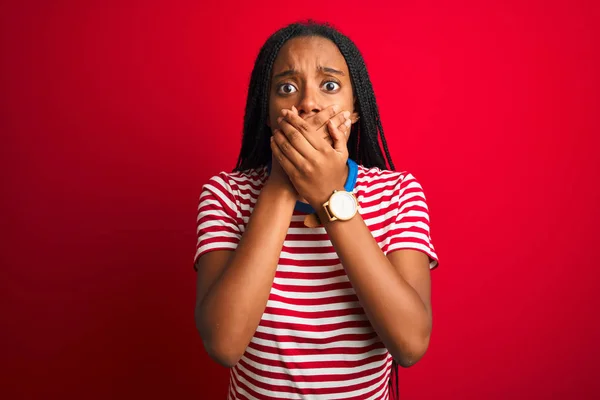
(342, 205)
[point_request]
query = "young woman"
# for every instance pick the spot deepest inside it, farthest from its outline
(313, 256)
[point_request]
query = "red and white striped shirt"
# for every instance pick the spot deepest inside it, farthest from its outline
(314, 339)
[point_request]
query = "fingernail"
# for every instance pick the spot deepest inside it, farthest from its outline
(294, 110)
(279, 119)
(336, 108)
(348, 123)
(346, 114)
(272, 139)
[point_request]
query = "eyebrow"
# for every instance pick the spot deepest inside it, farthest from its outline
(331, 71)
(290, 72)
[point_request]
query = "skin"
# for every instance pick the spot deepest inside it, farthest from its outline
(308, 117)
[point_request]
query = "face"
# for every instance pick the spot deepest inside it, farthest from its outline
(311, 74)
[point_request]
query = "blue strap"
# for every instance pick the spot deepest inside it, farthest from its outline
(349, 186)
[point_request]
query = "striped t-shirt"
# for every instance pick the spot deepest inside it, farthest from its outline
(314, 340)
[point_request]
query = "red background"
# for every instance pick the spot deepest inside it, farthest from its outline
(113, 115)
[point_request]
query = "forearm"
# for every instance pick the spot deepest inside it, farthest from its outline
(394, 308)
(232, 308)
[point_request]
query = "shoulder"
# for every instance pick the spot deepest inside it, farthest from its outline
(233, 182)
(232, 191)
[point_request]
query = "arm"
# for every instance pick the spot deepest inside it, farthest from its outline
(233, 286)
(394, 291)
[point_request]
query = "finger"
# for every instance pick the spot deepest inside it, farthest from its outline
(287, 149)
(342, 128)
(285, 163)
(345, 127)
(339, 118)
(338, 137)
(299, 133)
(321, 118)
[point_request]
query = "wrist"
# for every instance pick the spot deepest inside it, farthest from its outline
(279, 191)
(317, 202)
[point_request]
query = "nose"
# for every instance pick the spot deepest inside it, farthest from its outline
(308, 104)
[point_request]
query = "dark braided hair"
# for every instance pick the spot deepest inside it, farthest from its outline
(363, 142)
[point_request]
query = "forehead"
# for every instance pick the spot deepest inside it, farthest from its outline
(309, 53)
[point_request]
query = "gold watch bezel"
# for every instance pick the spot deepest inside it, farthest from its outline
(332, 215)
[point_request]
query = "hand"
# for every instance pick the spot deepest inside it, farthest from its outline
(315, 167)
(320, 121)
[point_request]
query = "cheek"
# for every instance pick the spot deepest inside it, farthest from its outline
(347, 99)
(350, 106)
(272, 117)
(275, 106)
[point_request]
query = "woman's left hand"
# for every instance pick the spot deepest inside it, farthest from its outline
(315, 167)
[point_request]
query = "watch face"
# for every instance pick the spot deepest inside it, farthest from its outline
(343, 205)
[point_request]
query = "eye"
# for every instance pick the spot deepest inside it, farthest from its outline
(331, 86)
(286, 88)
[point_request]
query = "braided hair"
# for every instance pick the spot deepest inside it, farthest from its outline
(363, 142)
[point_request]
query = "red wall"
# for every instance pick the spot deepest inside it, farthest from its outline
(113, 116)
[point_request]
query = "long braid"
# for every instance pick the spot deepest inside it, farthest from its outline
(256, 135)
(369, 111)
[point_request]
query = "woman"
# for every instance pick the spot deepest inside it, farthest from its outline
(313, 256)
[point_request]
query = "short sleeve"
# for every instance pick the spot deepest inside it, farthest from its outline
(217, 225)
(411, 229)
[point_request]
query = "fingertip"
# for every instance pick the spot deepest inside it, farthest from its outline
(343, 130)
